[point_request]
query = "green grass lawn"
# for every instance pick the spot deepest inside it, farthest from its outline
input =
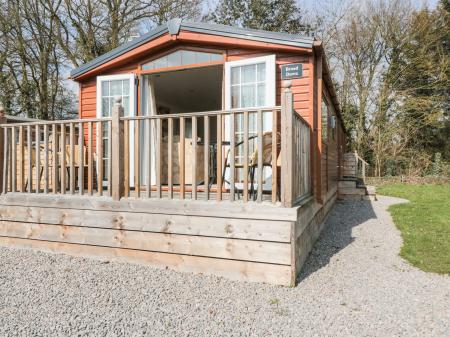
(424, 224)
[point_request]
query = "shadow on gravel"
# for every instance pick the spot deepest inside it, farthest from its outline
(336, 234)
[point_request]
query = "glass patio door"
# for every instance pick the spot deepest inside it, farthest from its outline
(249, 83)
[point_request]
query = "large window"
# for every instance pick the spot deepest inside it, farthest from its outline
(250, 83)
(112, 89)
(182, 58)
(248, 86)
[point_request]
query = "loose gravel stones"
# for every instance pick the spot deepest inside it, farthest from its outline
(353, 284)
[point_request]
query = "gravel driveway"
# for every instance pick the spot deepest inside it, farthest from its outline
(353, 284)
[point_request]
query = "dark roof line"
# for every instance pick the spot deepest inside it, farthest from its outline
(174, 26)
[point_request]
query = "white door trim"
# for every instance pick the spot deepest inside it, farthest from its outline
(269, 60)
(132, 106)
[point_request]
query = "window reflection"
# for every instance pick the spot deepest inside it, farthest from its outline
(182, 57)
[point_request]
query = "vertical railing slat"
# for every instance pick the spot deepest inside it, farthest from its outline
(126, 141)
(90, 159)
(54, 158)
(232, 158)
(71, 158)
(10, 160)
(245, 157)
(38, 157)
(108, 160)
(206, 156)
(149, 157)
(137, 158)
(260, 155)
(46, 158)
(194, 158)
(158, 157)
(81, 158)
(13, 160)
(29, 159)
(219, 157)
(63, 158)
(169, 158)
(21, 159)
(274, 155)
(5, 160)
(99, 144)
(182, 157)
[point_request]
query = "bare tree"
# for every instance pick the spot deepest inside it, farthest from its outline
(32, 60)
(87, 29)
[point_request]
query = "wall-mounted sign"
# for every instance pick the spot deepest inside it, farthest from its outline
(291, 71)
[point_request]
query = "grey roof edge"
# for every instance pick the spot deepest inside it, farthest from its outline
(175, 25)
(247, 33)
(153, 34)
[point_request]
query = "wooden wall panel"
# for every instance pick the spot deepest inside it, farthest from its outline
(300, 87)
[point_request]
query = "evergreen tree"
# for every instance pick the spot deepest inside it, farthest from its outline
(271, 15)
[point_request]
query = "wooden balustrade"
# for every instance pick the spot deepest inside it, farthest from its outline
(361, 166)
(201, 156)
(237, 155)
(53, 157)
(295, 147)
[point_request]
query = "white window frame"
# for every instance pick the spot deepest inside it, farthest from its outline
(270, 82)
(270, 79)
(132, 106)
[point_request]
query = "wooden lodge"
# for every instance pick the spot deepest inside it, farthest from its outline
(199, 147)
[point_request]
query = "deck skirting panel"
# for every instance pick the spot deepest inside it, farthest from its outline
(240, 248)
(310, 223)
(224, 248)
(231, 269)
(246, 247)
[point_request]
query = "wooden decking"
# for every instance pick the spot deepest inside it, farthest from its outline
(58, 195)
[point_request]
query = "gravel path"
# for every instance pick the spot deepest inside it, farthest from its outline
(353, 284)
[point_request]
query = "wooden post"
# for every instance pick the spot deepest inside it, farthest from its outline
(117, 167)
(317, 153)
(2, 130)
(287, 119)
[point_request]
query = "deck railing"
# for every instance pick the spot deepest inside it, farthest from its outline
(361, 166)
(296, 152)
(244, 154)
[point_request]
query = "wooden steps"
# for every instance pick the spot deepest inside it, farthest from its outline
(352, 189)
